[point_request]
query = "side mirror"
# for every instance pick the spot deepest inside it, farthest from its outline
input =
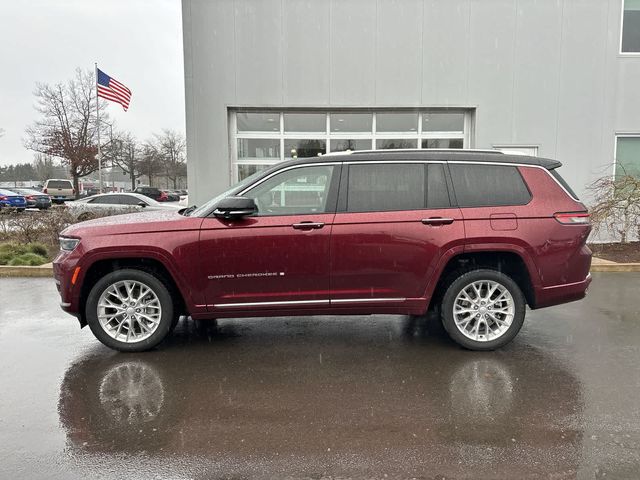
(235, 207)
(142, 204)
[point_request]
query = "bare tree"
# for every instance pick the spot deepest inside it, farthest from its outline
(123, 151)
(67, 127)
(44, 166)
(171, 147)
(616, 206)
(149, 162)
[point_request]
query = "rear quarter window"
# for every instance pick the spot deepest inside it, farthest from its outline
(488, 185)
(59, 184)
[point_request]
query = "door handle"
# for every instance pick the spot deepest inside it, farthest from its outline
(308, 225)
(437, 221)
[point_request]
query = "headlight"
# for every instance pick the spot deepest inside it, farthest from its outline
(68, 244)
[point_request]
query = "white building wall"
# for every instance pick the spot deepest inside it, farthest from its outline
(537, 72)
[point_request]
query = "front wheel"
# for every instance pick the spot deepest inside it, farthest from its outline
(483, 309)
(130, 310)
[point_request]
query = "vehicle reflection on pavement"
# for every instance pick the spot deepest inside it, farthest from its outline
(320, 396)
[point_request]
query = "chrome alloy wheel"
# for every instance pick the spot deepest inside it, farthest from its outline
(129, 311)
(483, 310)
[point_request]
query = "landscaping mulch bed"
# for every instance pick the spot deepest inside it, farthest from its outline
(617, 252)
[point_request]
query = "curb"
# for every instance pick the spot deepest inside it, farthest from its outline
(41, 271)
(616, 267)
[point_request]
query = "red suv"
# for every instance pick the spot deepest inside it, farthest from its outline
(477, 235)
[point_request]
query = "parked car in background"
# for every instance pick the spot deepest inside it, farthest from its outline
(35, 199)
(171, 196)
(473, 235)
(59, 190)
(152, 192)
(114, 203)
(12, 201)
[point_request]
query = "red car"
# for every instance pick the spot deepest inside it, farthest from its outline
(478, 235)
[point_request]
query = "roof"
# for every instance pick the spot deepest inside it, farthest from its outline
(450, 155)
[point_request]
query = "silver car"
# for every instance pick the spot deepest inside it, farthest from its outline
(115, 203)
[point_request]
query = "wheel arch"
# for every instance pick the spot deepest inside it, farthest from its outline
(101, 267)
(508, 261)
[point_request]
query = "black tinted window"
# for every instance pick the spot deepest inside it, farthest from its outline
(488, 185)
(386, 187)
(127, 200)
(106, 200)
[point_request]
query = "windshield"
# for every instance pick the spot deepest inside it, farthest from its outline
(238, 187)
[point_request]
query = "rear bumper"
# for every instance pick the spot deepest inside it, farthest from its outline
(557, 294)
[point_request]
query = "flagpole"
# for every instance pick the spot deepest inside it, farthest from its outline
(98, 129)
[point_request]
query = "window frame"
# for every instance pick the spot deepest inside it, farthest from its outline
(327, 136)
(490, 164)
(615, 148)
(620, 52)
(344, 185)
(332, 192)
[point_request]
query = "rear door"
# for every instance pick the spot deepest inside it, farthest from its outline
(393, 223)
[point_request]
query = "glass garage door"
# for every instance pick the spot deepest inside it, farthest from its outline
(262, 138)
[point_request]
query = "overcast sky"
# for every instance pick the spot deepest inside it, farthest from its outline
(137, 42)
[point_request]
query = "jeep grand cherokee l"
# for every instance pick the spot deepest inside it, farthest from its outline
(476, 235)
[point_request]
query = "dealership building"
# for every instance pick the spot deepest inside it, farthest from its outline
(269, 80)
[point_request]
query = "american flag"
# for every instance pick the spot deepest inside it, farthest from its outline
(111, 89)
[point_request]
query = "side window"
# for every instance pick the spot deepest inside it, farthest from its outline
(106, 200)
(127, 200)
(386, 187)
(488, 185)
(294, 192)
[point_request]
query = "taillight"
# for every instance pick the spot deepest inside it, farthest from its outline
(2, 197)
(73, 191)
(44, 190)
(572, 218)
(30, 197)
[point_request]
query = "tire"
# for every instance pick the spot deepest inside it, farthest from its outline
(139, 323)
(489, 328)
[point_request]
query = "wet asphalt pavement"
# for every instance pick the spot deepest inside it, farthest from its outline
(323, 397)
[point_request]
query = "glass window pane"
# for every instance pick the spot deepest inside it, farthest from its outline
(488, 185)
(631, 26)
(628, 156)
(258, 148)
(305, 122)
(397, 122)
(386, 187)
(443, 122)
(351, 122)
(396, 143)
(304, 148)
(298, 191)
(245, 171)
(442, 143)
(358, 144)
(258, 122)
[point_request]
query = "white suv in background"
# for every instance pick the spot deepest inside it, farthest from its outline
(59, 189)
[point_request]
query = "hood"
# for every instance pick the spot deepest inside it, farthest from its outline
(139, 222)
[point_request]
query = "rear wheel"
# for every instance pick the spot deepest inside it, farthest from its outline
(130, 310)
(483, 309)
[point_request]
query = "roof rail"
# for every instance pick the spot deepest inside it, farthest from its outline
(433, 150)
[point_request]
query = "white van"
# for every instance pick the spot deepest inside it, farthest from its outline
(59, 189)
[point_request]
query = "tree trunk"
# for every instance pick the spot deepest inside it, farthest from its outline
(76, 186)
(133, 180)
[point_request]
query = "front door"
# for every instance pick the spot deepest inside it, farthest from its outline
(278, 258)
(394, 221)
